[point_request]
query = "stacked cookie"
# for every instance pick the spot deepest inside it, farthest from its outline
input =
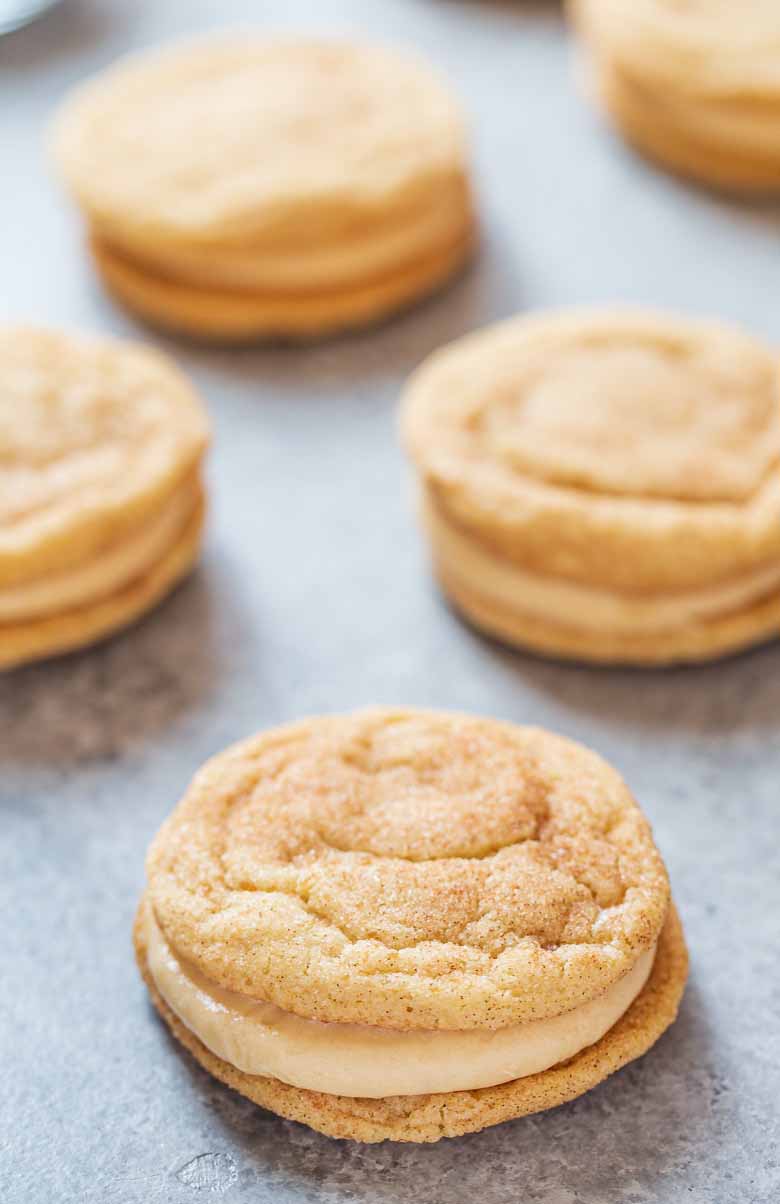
(246, 188)
(696, 86)
(409, 925)
(101, 498)
(604, 486)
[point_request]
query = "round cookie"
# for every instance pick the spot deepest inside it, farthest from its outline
(102, 505)
(695, 86)
(415, 870)
(604, 485)
(327, 185)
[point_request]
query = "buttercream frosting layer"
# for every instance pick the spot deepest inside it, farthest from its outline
(575, 605)
(370, 1062)
(108, 571)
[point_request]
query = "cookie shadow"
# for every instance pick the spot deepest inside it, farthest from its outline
(96, 704)
(640, 1131)
(489, 287)
(760, 209)
(740, 692)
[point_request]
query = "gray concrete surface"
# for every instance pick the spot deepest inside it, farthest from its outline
(314, 595)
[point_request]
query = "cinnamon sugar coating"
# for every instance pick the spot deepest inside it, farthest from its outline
(409, 869)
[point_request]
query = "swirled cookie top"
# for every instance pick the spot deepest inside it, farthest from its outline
(230, 138)
(628, 405)
(410, 869)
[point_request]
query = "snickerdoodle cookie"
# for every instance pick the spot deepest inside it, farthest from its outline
(101, 500)
(604, 485)
(251, 187)
(693, 84)
(407, 924)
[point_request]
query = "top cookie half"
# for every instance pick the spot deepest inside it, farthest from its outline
(224, 140)
(410, 869)
(95, 435)
(715, 48)
(626, 449)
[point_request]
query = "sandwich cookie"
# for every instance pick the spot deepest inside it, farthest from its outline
(101, 498)
(239, 188)
(694, 86)
(405, 925)
(604, 486)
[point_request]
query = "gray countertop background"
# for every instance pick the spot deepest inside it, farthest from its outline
(313, 596)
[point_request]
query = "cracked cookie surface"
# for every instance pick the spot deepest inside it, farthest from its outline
(409, 869)
(626, 448)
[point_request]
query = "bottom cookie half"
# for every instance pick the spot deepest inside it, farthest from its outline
(427, 1118)
(703, 640)
(37, 639)
(234, 317)
(668, 135)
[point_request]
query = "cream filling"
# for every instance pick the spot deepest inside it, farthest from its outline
(350, 262)
(106, 573)
(583, 607)
(362, 1061)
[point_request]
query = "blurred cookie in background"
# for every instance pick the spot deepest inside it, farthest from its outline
(604, 486)
(241, 188)
(694, 86)
(101, 497)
